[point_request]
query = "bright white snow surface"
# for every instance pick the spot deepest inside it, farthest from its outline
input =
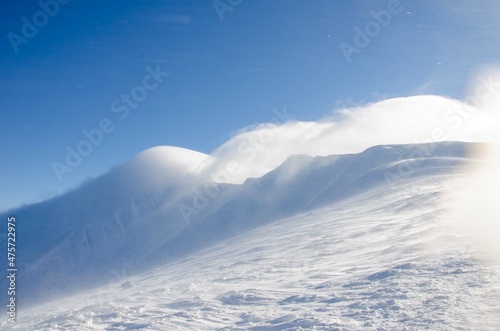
(386, 259)
(340, 242)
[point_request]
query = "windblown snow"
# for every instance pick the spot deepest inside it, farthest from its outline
(181, 240)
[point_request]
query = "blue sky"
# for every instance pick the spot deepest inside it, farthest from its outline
(223, 74)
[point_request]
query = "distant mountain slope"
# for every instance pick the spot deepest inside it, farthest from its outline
(305, 183)
(390, 258)
(157, 208)
(74, 237)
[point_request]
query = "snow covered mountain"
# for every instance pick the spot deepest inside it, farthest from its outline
(367, 244)
(157, 208)
(67, 241)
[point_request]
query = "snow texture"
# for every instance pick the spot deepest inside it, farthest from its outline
(340, 242)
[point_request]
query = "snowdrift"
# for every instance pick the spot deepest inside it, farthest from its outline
(161, 206)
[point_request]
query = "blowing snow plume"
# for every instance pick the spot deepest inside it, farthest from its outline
(477, 205)
(420, 119)
(130, 217)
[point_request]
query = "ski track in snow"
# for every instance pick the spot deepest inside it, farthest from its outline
(385, 260)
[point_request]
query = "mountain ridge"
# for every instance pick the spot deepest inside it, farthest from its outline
(71, 242)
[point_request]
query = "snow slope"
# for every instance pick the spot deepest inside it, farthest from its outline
(304, 183)
(129, 221)
(387, 258)
(68, 242)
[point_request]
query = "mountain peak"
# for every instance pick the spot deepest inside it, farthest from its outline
(171, 157)
(160, 163)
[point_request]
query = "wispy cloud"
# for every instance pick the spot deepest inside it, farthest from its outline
(172, 19)
(259, 149)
